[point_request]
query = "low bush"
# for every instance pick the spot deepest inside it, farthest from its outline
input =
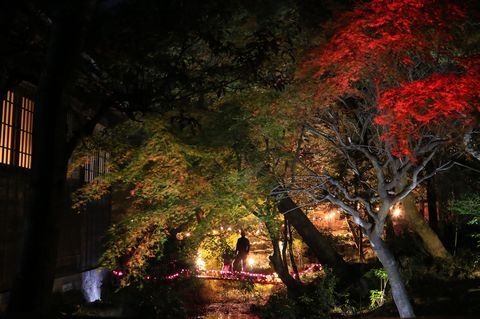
(316, 301)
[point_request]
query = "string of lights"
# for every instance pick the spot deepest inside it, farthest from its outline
(214, 274)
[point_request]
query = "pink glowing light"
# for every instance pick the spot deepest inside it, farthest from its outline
(213, 274)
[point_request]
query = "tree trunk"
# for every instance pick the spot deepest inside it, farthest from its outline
(290, 251)
(33, 285)
(399, 293)
(468, 141)
(294, 287)
(432, 204)
(417, 223)
(389, 230)
(431, 242)
(318, 243)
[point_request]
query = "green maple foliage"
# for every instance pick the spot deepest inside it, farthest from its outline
(183, 175)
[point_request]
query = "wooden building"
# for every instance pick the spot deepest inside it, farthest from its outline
(81, 233)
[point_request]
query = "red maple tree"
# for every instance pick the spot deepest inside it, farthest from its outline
(400, 64)
(392, 55)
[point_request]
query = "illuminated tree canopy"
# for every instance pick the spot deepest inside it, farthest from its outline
(406, 59)
(448, 102)
(182, 176)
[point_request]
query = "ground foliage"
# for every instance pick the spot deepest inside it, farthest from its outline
(317, 301)
(155, 299)
(469, 206)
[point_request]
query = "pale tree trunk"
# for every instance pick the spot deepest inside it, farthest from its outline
(431, 242)
(399, 293)
(469, 144)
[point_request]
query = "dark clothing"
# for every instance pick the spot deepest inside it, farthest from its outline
(243, 246)
(242, 249)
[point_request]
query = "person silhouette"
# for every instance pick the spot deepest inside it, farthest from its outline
(241, 251)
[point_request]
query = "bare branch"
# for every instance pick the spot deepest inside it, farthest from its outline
(366, 226)
(377, 166)
(352, 198)
(318, 133)
(415, 178)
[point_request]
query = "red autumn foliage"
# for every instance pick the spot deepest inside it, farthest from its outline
(373, 53)
(438, 101)
(380, 36)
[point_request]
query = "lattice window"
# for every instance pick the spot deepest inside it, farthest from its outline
(96, 166)
(25, 138)
(16, 128)
(6, 129)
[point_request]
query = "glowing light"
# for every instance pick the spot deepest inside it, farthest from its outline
(188, 234)
(221, 228)
(229, 228)
(250, 261)
(330, 216)
(92, 283)
(118, 273)
(200, 263)
(266, 279)
(397, 212)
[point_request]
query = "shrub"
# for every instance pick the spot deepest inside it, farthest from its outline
(316, 301)
(155, 300)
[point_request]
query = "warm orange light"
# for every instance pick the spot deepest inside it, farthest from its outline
(26, 128)
(397, 212)
(16, 126)
(200, 263)
(6, 129)
(330, 216)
